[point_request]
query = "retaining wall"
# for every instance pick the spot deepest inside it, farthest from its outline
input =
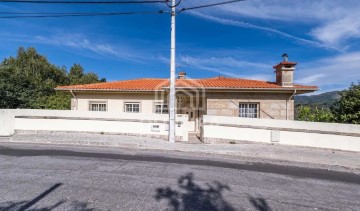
(217, 129)
(153, 125)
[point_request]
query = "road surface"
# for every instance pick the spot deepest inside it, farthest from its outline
(38, 177)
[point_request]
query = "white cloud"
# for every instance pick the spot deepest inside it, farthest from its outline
(310, 79)
(228, 66)
(332, 23)
(77, 41)
(2, 6)
(80, 44)
(242, 24)
(336, 32)
(336, 71)
(330, 73)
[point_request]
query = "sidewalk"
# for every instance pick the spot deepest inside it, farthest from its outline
(273, 153)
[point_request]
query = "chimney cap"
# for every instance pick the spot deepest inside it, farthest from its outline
(286, 57)
(285, 62)
(181, 75)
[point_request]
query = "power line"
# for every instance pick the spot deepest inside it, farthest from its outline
(70, 13)
(14, 15)
(57, 15)
(83, 2)
(170, 6)
(209, 5)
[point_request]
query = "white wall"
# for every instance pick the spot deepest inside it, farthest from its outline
(115, 101)
(85, 121)
(309, 134)
(7, 122)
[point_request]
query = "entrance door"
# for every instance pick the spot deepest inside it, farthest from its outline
(191, 106)
(192, 119)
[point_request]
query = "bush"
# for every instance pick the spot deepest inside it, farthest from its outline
(306, 113)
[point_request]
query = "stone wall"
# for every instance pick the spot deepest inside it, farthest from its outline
(271, 105)
(285, 77)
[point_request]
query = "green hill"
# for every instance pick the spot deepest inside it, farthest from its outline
(324, 100)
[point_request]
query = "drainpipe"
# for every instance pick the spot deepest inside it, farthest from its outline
(72, 93)
(287, 101)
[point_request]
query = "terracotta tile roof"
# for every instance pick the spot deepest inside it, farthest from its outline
(153, 84)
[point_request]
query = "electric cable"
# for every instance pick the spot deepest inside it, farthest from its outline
(82, 2)
(10, 15)
(170, 6)
(57, 15)
(208, 5)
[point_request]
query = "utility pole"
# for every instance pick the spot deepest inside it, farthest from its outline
(172, 76)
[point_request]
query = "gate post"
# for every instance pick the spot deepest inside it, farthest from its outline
(7, 122)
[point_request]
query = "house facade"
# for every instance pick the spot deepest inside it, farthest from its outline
(222, 96)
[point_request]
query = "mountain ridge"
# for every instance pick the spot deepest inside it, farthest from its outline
(323, 100)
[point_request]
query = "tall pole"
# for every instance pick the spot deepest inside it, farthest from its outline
(172, 76)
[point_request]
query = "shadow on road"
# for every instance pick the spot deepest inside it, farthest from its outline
(193, 197)
(259, 204)
(26, 205)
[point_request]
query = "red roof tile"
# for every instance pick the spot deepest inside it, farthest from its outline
(284, 63)
(153, 84)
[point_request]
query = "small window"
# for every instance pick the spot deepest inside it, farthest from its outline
(248, 110)
(161, 108)
(97, 106)
(132, 107)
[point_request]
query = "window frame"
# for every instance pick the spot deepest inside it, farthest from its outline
(248, 108)
(132, 109)
(161, 104)
(98, 103)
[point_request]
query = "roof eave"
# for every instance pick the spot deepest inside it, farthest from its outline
(247, 89)
(220, 89)
(104, 90)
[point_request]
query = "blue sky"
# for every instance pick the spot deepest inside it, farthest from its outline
(244, 39)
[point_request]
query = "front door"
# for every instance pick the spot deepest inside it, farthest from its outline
(192, 107)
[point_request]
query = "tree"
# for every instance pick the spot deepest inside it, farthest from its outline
(77, 76)
(58, 101)
(306, 113)
(76, 73)
(347, 109)
(28, 81)
(26, 78)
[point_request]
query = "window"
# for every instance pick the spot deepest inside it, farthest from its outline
(132, 107)
(161, 108)
(248, 110)
(97, 106)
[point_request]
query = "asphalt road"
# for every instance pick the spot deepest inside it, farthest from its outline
(36, 177)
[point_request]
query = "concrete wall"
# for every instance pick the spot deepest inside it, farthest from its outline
(96, 122)
(271, 105)
(308, 134)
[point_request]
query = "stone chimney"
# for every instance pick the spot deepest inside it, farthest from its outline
(182, 75)
(285, 72)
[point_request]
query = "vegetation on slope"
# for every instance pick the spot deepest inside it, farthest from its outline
(342, 107)
(28, 81)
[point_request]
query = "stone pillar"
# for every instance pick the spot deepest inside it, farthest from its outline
(7, 122)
